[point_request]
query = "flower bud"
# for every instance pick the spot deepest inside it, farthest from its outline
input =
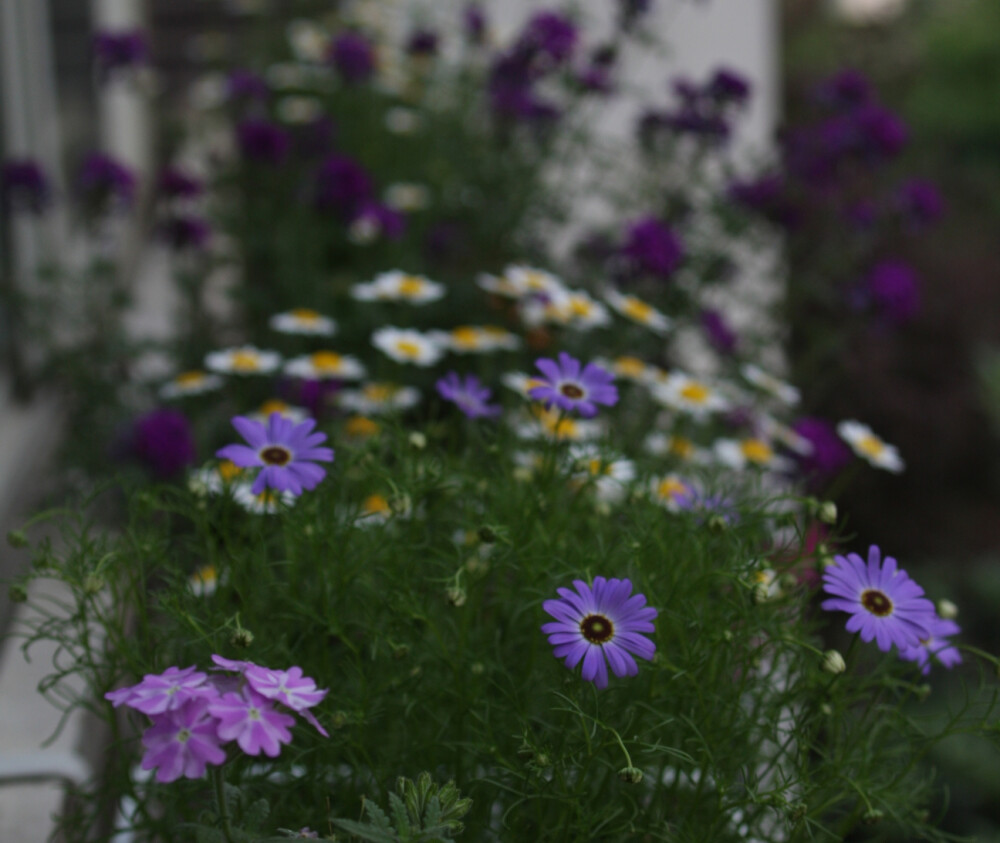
(400, 651)
(456, 595)
(338, 719)
(17, 539)
(947, 610)
(717, 524)
(833, 662)
(241, 638)
(922, 692)
(630, 775)
(872, 816)
(93, 583)
(418, 440)
(827, 512)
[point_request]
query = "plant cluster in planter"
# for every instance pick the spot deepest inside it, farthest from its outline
(480, 549)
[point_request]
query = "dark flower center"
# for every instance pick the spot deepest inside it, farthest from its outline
(597, 628)
(571, 390)
(876, 602)
(276, 455)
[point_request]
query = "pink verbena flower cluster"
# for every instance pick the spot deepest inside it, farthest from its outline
(195, 713)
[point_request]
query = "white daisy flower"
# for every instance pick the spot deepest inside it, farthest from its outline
(570, 308)
(212, 479)
(780, 389)
(402, 121)
(628, 368)
(551, 424)
(686, 394)
(611, 477)
(766, 585)
(364, 229)
(677, 447)
(267, 502)
(377, 509)
(308, 40)
(407, 196)
(244, 360)
(670, 491)
(190, 383)
(635, 309)
(326, 365)
(521, 383)
(867, 445)
(466, 339)
(204, 581)
(519, 281)
(407, 346)
(288, 411)
(399, 286)
(299, 109)
(302, 320)
(378, 398)
(740, 453)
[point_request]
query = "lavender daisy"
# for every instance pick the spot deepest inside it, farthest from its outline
(935, 646)
(603, 621)
(286, 451)
(569, 388)
(469, 394)
(884, 603)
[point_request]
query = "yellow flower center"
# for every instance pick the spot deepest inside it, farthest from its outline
(681, 447)
(376, 504)
(205, 576)
(189, 378)
(535, 281)
(870, 445)
(597, 466)
(267, 497)
(670, 488)
(275, 405)
(756, 451)
(408, 348)
(696, 393)
(410, 286)
(379, 392)
(580, 307)
(466, 336)
(326, 361)
(360, 426)
(630, 367)
(229, 470)
(636, 309)
(245, 361)
(304, 314)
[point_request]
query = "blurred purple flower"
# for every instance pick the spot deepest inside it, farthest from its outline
(769, 196)
(728, 86)
(422, 42)
(246, 85)
(104, 183)
(920, 201)
(551, 34)
(718, 332)
(342, 185)
(845, 89)
(652, 247)
(174, 183)
(186, 231)
(631, 11)
(469, 395)
(881, 132)
(353, 56)
(894, 291)
(382, 220)
(118, 50)
(474, 23)
(829, 455)
(23, 186)
(263, 141)
(163, 441)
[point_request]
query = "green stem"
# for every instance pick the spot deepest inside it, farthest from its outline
(219, 781)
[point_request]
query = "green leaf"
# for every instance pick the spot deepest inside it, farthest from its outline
(366, 831)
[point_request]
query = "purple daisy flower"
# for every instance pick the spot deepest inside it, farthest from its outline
(163, 441)
(601, 622)
(652, 247)
(252, 721)
(286, 451)
(884, 603)
(353, 56)
(469, 394)
(569, 388)
(263, 141)
(936, 645)
(182, 743)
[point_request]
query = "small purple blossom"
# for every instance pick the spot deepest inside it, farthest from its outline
(469, 395)
(829, 454)
(353, 56)
(845, 89)
(186, 231)
(551, 34)
(182, 743)
(600, 625)
(920, 201)
(23, 185)
(246, 86)
(728, 86)
(573, 390)
(263, 141)
(114, 51)
(894, 290)
(935, 647)
(380, 219)
(652, 248)
(474, 23)
(174, 183)
(158, 693)
(103, 183)
(164, 442)
(719, 333)
(252, 721)
(422, 42)
(342, 185)
(883, 602)
(286, 451)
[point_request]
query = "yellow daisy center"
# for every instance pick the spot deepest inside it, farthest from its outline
(756, 451)
(696, 393)
(360, 426)
(229, 470)
(630, 367)
(408, 348)
(376, 504)
(326, 361)
(205, 576)
(379, 391)
(245, 361)
(670, 488)
(870, 445)
(636, 309)
(597, 466)
(304, 314)
(275, 405)
(466, 336)
(580, 307)
(411, 286)
(681, 447)
(189, 378)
